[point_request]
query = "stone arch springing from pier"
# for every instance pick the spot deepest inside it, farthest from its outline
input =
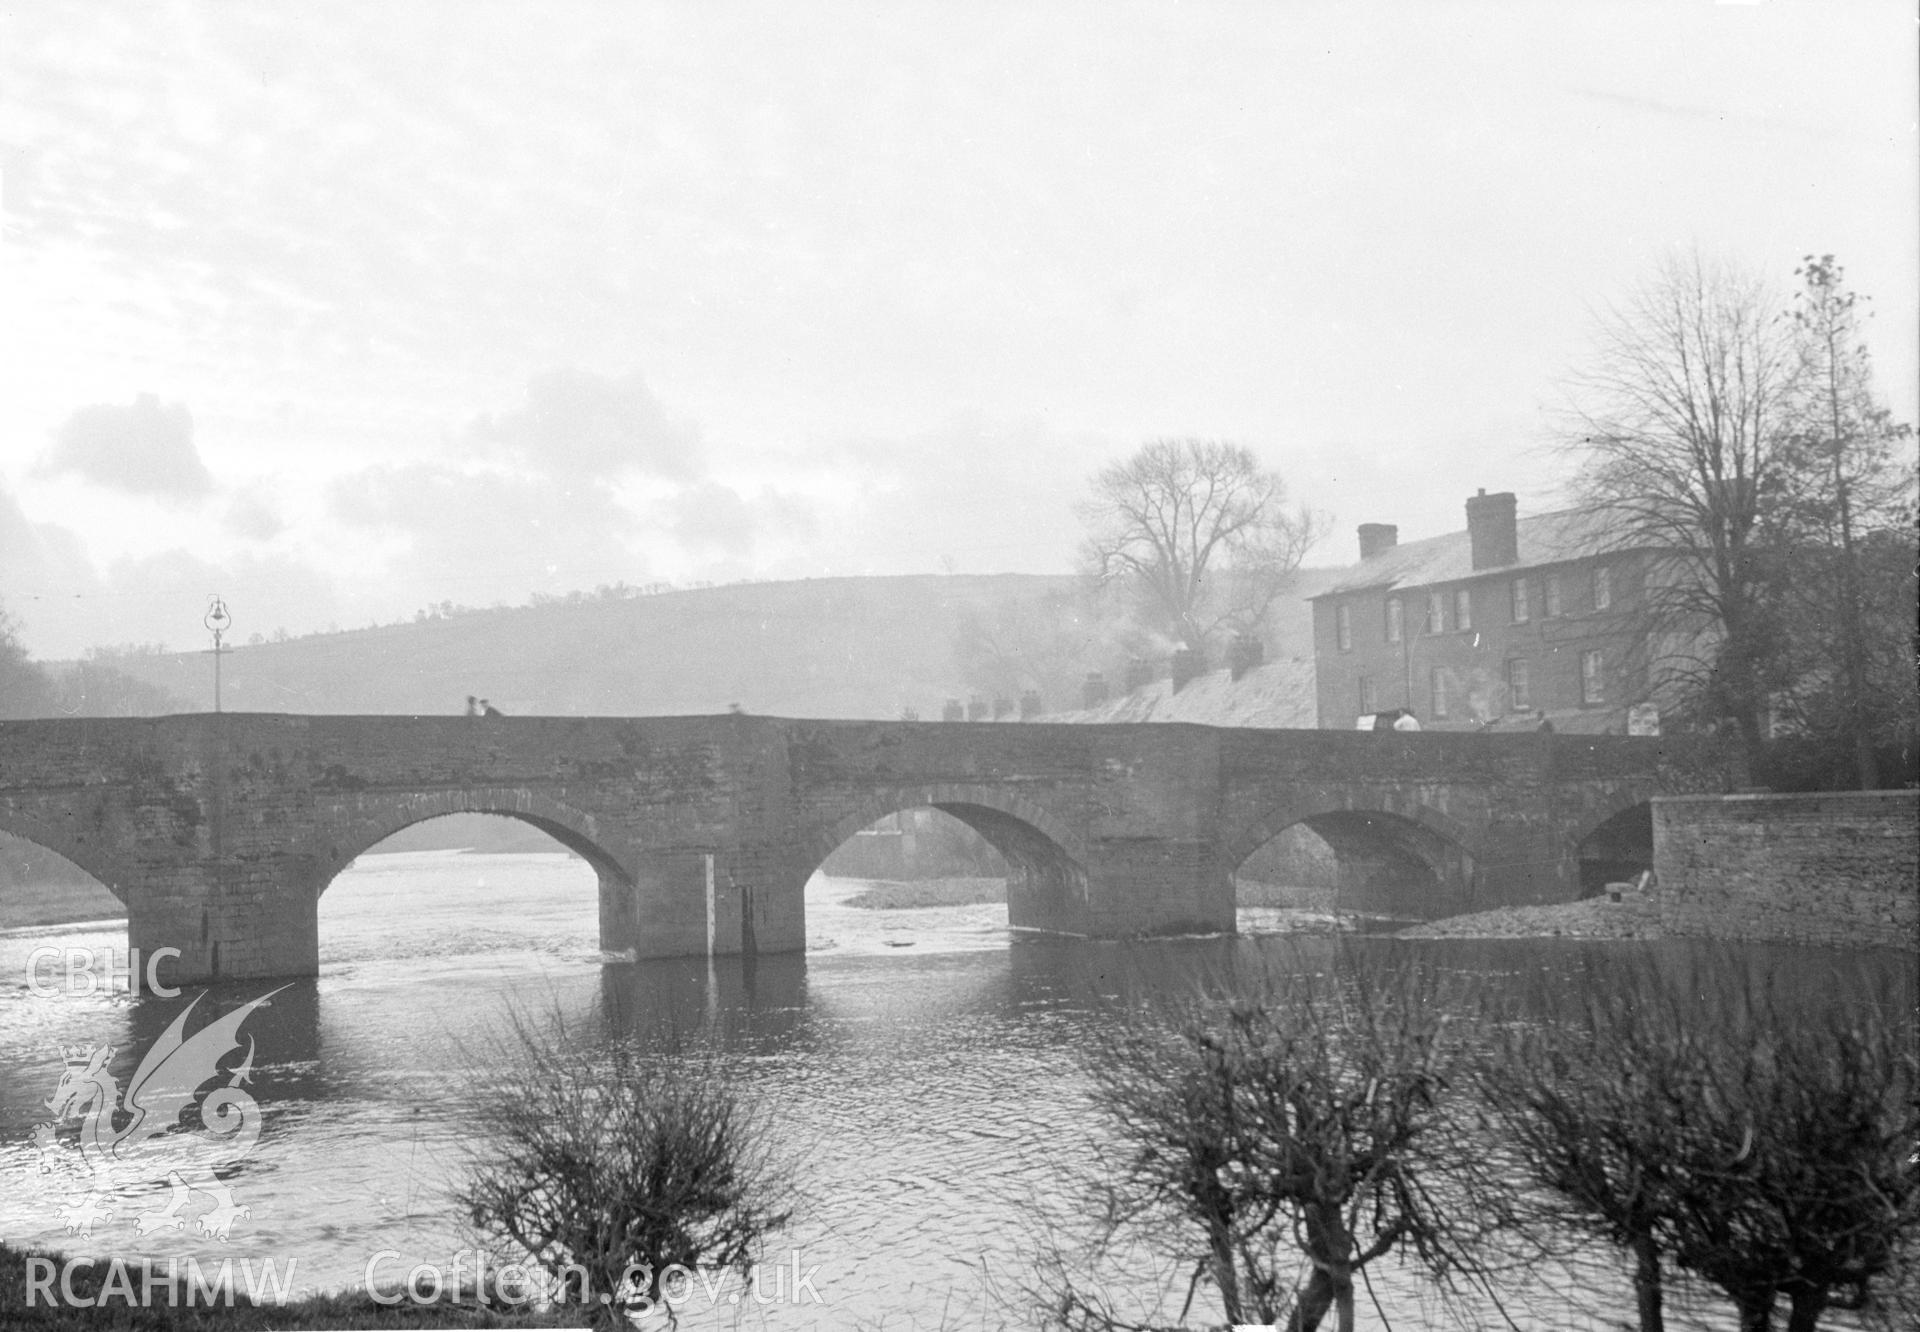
(1047, 877)
(1395, 858)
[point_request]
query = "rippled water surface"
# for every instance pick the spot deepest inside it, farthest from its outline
(919, 1070)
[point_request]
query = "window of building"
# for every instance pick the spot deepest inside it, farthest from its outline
(1602, 587)
(1462, 608)
(1396, 623)
(1521, 611)
(1592, 686)
(1552, 608)
(1519, 695)
(1438, 685)
(1343, 627)
(1368, 701)
(1436, 613)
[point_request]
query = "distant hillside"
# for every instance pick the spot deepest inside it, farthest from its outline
(829, 647)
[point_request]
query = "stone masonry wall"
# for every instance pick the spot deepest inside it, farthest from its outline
(1825, 868)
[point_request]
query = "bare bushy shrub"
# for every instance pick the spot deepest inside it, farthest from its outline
(1764, 1144)
(607, 1166)
(1271, 1140)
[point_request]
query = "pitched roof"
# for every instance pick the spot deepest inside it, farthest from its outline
(1545, 538)
(1273, 694)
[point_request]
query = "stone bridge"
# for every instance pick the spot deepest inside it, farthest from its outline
(220, 832)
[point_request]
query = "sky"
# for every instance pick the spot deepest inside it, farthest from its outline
(344, 310)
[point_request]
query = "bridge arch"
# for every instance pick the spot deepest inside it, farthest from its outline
(1046, 859)
(1616, 844)
(106, 868)
(1396, 856)
(572, 828)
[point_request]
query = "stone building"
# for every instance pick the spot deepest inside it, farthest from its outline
(1509, 624)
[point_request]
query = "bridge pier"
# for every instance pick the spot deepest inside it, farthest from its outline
(1157, 886)
(243, 925)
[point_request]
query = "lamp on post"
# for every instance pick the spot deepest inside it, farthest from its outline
(218, 621)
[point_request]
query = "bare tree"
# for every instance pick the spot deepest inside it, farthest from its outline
(1762, 1143)
(25, 688)
(607, 1169)
(1853, 502)
(1272, 1142)
(1200, 532)
(1684, 424)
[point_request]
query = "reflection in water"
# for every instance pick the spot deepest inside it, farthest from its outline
(921, 1095)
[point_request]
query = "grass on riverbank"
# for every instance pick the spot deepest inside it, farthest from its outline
(42, 903)
(909, 895)
(353, 1310)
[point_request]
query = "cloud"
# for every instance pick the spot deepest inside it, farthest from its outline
(711, 517)
(588, 426)
(254, 515)
(143, 449)
(485, 535)
(163, 597)
(46, 581)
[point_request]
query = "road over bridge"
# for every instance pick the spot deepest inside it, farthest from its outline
(220, 832)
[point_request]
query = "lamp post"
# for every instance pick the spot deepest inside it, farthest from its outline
(218, 621)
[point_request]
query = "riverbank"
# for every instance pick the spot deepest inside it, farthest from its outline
(24, 905)
(1593, 918)
(102, 1299)
(914, 894)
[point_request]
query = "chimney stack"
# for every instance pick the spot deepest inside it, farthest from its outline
(1094, 692)
(1246, 652)
(976, 708)
(1491, 530)
(1376, 537)
(1139, 674)
(1029, 704)
(1187, 664)
(953, 711)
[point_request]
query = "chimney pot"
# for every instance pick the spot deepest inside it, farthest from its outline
(1491, 529)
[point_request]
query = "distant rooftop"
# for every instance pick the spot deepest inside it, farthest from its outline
(1274, 694)
(1546, 538)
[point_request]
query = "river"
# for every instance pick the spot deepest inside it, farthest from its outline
(918, 1068)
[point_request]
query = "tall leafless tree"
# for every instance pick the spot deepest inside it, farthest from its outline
(1684, 423)
(1850, 512)
(1200, 531)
